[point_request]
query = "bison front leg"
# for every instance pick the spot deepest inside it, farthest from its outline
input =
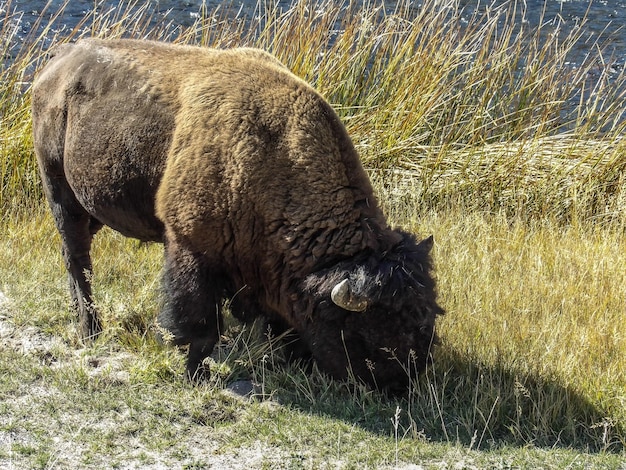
(191, 313)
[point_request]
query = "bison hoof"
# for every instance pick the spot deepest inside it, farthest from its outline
(90, 326)
(197, 364)
(198, 373)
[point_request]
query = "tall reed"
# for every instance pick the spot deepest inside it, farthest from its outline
(473, 108)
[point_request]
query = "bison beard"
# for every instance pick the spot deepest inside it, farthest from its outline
(250, 180)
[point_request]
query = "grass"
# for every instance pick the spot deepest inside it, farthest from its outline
(511, 157)
(530, 372)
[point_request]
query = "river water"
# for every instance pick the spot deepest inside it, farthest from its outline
(605, 18)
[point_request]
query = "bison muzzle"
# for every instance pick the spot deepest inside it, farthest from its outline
(248, 177)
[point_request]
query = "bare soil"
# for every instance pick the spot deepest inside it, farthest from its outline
(19, 447)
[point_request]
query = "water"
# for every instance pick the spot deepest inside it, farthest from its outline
(604, 24)
(605, 18)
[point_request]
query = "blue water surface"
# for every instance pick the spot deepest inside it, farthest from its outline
(604, 19)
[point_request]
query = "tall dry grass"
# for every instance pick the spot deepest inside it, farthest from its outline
(480, 109)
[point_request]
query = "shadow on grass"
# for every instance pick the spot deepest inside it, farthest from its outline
(458, 401)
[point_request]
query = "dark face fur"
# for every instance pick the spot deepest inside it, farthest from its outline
(382, 347)
(384, 336)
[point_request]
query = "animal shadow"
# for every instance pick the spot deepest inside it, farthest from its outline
(460, 401)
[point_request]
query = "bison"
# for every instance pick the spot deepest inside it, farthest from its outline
(249, 179)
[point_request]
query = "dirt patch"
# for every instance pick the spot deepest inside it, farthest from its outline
(18, 443)
(27, 340)
(47, 420)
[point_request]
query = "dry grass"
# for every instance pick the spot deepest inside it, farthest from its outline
(532, 356)
(513, 160)
(482, 111)
(537, 310)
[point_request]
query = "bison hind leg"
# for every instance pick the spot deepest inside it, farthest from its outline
(191, 313)
(77, 229)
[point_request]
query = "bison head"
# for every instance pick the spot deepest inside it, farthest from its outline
(374, 318)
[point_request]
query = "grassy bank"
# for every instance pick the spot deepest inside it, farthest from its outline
(509, 155)
(530, 373)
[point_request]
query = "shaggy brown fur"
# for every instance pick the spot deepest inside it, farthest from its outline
(251, 181)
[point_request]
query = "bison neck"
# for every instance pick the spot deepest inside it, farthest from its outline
(308, 248)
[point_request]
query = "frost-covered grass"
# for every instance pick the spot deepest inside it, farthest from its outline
(510, 156)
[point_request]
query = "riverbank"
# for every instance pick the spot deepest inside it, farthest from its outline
(527, 205)
(490, 115)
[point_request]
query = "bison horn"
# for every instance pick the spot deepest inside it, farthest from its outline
(342, 296)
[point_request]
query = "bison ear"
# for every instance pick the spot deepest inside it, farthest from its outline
(426, 244)
(342, 296)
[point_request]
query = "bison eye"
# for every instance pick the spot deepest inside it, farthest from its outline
(425, 329)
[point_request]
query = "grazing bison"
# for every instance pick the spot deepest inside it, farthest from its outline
(250, 180)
